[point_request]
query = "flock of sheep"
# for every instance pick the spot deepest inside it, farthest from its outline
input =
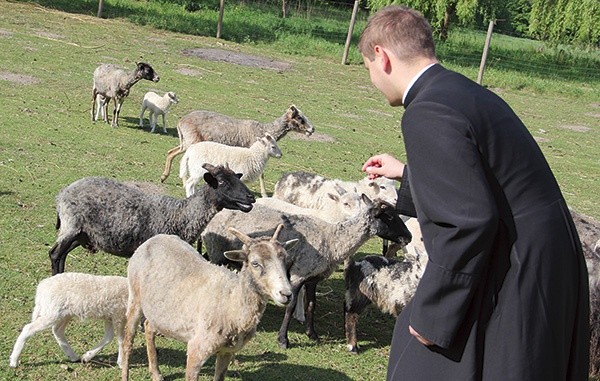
(272, 248)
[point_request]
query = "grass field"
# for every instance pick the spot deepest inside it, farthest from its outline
(47, 141)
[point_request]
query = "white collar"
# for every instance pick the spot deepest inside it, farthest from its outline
(414, 79)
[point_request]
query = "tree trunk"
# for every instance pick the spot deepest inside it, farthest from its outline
(450, 11)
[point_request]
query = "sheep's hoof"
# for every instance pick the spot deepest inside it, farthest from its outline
(353, 349)
(313, 336)
(284, 344)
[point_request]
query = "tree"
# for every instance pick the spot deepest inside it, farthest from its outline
(566, 21)
(441, 13)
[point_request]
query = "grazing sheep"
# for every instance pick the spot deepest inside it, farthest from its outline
(322, 247)
(199, 126)
(156, 106)
(250, 162)
(114, 83)
(212, 309)
(102, 214)
(60, 298)
(387, 283)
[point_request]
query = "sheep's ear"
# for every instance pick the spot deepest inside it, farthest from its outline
(366, 200)
(239, 175)
(290, 244)
(333, 197)
(236, 255)
(211, 180)
(341, 190)
(293, 110)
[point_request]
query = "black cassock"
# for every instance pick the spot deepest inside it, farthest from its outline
(505, 293)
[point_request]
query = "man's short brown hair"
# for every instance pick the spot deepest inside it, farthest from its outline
(400, 29)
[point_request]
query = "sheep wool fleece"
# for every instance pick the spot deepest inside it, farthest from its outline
(505, 292)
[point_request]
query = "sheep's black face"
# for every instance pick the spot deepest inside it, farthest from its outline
(232, 193)
(388, 223)
(147, 72)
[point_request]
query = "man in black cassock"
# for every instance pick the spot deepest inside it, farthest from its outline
(505, 294)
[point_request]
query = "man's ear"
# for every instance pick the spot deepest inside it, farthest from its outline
(382, 58)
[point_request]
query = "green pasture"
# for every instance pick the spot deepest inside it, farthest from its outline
(47, 141)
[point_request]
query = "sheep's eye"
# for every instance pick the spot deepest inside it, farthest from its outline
(255, 264)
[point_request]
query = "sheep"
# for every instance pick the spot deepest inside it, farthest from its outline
(250, 161)
(589, 234)
(156, 106)
(198, 126)
(212, 309)
(60, 298)
(322, 247)
(114, 83)
(387, 283)
(102, 214)
(310, 191)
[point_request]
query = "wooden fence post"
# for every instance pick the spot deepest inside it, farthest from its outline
(220, 21)
(99, 9)
(350, 30)
(486, 47)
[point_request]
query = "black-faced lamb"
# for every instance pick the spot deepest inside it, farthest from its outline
(389, 284)
(61, 298)
(198, 126)
(157, 105)
(249, 161)
(114, 83)
(322, 247)
(212, 309)
(102, 214)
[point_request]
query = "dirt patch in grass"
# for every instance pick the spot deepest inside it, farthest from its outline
(575, 127)
(237, 58)
(5, 33)
(314, 137)
(20, 79)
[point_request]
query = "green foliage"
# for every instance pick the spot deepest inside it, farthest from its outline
(566, 21)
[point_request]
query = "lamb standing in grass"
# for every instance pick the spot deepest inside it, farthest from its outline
(60, 298)
(250, 161)
(156, 106)
(322, 248)
(113, 83)
(102, 214)
(200, 125)
(212, 309)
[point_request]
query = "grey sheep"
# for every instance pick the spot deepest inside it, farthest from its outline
(322, 247)
(198, 126)
(212, 309)
(113, 83)
(102, 214)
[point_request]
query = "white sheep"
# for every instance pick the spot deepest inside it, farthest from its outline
(156, 106)
(212, 309)
(201, 125)
(65, 296)
(322, 248)
(113, 83)
(250, 162)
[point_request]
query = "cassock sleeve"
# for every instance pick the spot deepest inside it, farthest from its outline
(457, 214)
(404, 203)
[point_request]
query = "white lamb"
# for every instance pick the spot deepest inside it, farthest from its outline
(250, 162)
(62, 297)
(156, 106)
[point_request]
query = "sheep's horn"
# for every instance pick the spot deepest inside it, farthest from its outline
(242, 237)
(279, 227)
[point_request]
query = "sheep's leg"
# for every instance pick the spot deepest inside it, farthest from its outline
(300, 307)
(197, 356)
(119, 327)
(311, 299)
(58, 330)
(105, 110)
(190, 186)
(153, 119)
(58, 253)
(170, 156)
(221, 365)
(142, 116)
(263, 190)
(116, 111)
(94, 94)
(164, 123)
(29, 330)
(150, 334)
(282, 336)
(134, 314)
(109, 333)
